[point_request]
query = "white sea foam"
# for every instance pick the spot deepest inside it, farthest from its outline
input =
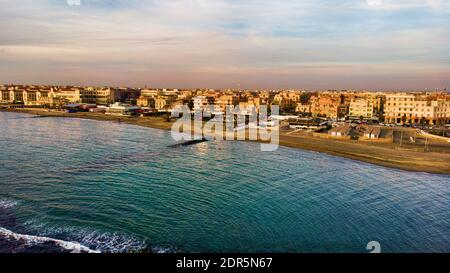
(71, 246)
(162, 250)
(116, 243)
(103, 241)
(111, 242)
(6, 204)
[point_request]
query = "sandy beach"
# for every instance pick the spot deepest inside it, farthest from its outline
(383, 153)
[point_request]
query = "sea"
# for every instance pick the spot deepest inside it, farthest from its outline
(76, 185)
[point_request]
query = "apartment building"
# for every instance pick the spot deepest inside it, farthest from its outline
(148, 97)
(164, 102)
(303, 108)
(108, 95)
(200, 103)
(13, 94)
(287, 100)
(39, 96)
(225, 100)
(67, 95)
(361, 108)
(251, 102)
(328, 105)
(416, 108)
(144, 101)
(150, 93)
(98, 95)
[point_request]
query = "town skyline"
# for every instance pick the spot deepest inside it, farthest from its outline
(396, 107)
(353, 44)
(240, 88)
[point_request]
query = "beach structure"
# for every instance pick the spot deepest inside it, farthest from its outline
(122, 109)
(72, 107)
(98, 109)
(373, 132)
(376, 132)
(341, 131)
(308, 123)
(283, 117)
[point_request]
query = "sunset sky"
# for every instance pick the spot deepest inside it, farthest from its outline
(310, 44)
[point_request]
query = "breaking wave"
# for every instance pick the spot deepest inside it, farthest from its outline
(6, 204)
(34, 240)
(105, 242)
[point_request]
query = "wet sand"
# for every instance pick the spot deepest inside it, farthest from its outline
(381, 153)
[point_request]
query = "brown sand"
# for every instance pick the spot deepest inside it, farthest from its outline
(376, 152)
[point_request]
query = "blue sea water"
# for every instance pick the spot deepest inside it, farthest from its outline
(117, 187)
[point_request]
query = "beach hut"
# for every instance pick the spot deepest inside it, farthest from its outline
(376, 132)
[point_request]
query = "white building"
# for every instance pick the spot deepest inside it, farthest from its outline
(121, 109)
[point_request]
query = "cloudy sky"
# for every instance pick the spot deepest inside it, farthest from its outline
(311, 44)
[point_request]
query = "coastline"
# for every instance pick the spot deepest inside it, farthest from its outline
(382, 154)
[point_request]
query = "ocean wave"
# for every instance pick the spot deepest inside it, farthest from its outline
(73, 247)
(6, 204)
(116, 243)
(111, 242)
(105, 242)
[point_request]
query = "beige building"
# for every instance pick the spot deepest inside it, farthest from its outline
(108, 95)
(67, 95)
(13, 94)
(377, 101)
(164, 102)
(328, 105)
(361, 108)
(160, 103)
(407, 108)
(98, 95)
(148, 98)
(143, 101)
(150, 93)
(287, 100)
(252, 102)
(225, 100)
(303, 108)
(200, 103)
(28, 96)
(56, 96)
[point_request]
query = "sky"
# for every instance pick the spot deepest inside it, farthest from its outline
(255, 44)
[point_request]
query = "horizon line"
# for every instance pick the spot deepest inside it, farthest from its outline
(443, 89)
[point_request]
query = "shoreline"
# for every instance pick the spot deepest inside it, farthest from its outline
(381, 154)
